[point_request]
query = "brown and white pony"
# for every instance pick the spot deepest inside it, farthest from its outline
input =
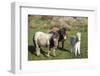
(49, 40)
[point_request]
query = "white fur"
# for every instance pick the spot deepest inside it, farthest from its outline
(42, 39)
(76, 47)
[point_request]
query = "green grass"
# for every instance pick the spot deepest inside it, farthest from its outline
(60, 53)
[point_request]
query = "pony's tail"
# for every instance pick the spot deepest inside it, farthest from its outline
(34, 41)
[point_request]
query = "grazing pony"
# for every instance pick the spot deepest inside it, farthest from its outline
(75, 43)
(49, 40)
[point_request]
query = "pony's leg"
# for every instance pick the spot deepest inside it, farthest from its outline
(49, 53)
(58, 44)
(37, 51)
(54, 54)
(63, 44)
(49, 49)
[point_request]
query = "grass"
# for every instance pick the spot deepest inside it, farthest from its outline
(60, 53)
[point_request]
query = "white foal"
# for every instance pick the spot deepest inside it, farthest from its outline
(77, 45)
(75, 42)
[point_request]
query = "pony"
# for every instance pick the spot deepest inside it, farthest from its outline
(49, 40)
(62, 35)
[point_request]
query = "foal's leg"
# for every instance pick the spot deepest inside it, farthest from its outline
(76, 50)
(72, 48)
